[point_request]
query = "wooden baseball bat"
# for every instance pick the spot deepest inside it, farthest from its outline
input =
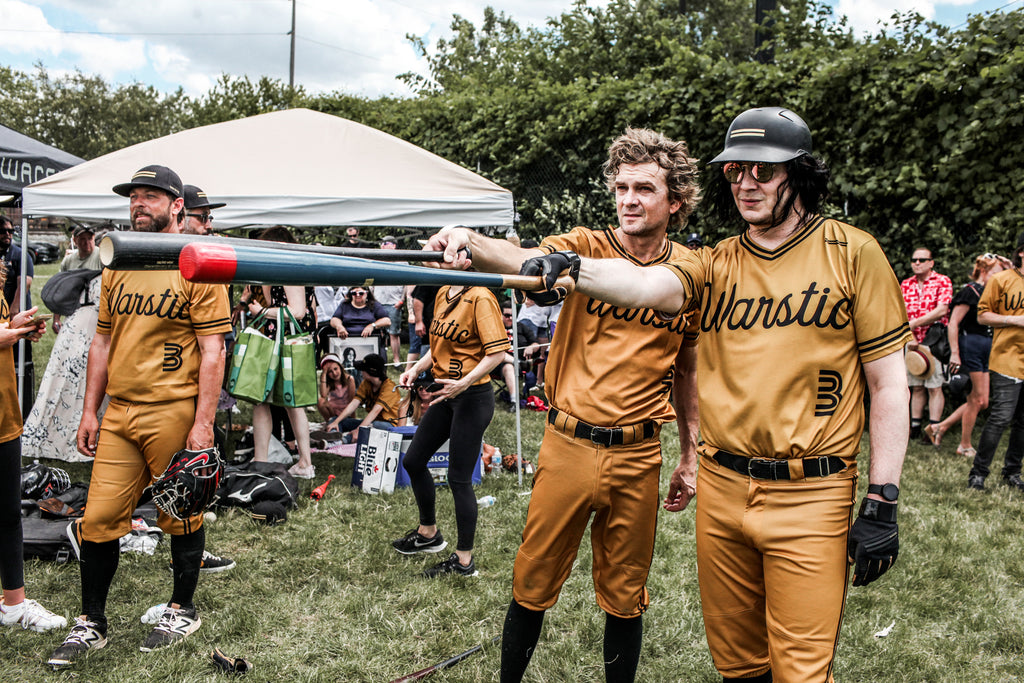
(160, 251)
(423, 673)
(252, 264)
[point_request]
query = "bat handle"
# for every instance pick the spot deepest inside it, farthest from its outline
(535, 283)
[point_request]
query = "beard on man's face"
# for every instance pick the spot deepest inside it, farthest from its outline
(156, 223)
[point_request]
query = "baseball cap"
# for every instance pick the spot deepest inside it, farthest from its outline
(388, 238)
(372, 364)
(79, 229)
(424, 379)
(197, 199)
(695, 237)
(330, 357)
(160, 177)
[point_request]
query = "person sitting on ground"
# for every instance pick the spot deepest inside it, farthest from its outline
(337, 387)
(378, 395)
(528, 348)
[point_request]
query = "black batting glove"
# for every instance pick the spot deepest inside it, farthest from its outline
(549, 267)
(874, 542)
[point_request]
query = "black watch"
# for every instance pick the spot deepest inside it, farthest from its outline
(888, 491)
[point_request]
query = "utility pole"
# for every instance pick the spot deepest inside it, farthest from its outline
(291, 61)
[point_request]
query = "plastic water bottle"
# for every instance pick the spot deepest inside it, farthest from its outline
(486, 501)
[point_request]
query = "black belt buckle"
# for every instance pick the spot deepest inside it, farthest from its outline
(762, 468)
(602, 436)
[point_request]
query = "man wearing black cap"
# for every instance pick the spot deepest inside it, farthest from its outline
(198, 220)
(1002, 308)
(379, 396)
(694, 241)
(158, 353)
(801, 315)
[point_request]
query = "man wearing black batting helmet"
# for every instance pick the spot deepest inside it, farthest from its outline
(159, 354)
(800, 315)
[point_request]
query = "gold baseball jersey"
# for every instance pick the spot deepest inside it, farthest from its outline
(1004, 294)
(388, 397)
(10, 406)
(461, 339)
(153, 319)
(610, 366)
(784, 334)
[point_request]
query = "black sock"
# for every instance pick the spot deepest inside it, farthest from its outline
(97, 565)
(518, 641)
(915, 427)
(622, 638)
(766, 677)
(186, 556)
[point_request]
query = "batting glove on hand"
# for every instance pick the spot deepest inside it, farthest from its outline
(550, 267)
(874, 542)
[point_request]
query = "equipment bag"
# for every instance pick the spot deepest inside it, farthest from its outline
(295, 385)
(256, 482)
(46, 539)
(254, 362)
(937, 341)
(62, 293)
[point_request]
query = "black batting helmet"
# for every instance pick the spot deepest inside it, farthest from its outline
(189, 484)
(770, 134)
(39, 482)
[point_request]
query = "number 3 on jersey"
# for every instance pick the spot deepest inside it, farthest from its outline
(172, 357)
(830, 393)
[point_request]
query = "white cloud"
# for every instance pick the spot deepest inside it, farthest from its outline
(867, 16)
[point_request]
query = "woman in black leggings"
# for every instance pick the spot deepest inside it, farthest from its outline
(467, 341)
(15, 610)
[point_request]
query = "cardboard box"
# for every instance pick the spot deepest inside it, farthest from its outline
(438, 464)
(377, 460)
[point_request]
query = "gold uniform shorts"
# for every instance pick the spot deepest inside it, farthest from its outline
(136, 442)
(771, 563)
(576, 479)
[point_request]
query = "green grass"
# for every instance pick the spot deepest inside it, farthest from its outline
(324, 598)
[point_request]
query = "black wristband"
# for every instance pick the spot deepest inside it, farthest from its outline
(877, 510)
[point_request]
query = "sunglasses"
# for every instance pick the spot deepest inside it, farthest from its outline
(991, 257)
(358, 293)
(760, 171)
(920, 260)
(204, 217)
(6, 231)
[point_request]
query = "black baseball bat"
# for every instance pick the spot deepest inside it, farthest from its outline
(423, 673)
(252, 264)
(160, 251)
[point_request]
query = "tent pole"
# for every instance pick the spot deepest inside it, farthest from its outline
(515, 366)
(22, 305)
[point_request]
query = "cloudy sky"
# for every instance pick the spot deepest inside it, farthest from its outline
(354, 46)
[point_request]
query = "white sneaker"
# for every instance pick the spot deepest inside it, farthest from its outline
(153, 614)
(302, 472)
(31, 615)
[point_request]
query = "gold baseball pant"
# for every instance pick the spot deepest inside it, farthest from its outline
(135, 445)
(575, 479)
(771, 564)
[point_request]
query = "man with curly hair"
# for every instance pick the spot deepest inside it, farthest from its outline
(613, 376)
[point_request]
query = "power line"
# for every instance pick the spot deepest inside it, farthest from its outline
(992, 11)
(338, 48)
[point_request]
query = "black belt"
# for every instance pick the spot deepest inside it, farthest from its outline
(602, 436)
(764, 468)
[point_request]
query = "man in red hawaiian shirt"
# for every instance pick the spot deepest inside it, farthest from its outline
(927, 295)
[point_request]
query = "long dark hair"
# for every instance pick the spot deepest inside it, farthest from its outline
(807, 177)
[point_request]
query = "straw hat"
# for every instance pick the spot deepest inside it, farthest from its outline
(920, 362)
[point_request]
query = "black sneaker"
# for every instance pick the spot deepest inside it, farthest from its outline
(212, 563)
(451, 566)
(1014, 482)
(84, 636)
(977, 482)
(414, 542)
(174, 625)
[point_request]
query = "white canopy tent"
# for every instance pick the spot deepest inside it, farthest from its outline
(295, 167)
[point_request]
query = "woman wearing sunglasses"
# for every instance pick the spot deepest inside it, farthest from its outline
(359, 315)
(467, 341)
(970, 343)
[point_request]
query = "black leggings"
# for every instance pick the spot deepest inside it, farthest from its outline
(467, 415)
(12, 560)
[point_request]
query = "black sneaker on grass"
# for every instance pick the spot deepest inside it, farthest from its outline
(212, 563)
(84, 636)
(415, 542)
(451, 566)
(976, 482)
(1014, 482)
(174, 625)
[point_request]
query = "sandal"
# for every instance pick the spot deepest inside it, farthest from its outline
(966, 452)
(934, 434)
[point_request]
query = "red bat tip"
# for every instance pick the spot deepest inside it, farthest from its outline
(202, 262)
